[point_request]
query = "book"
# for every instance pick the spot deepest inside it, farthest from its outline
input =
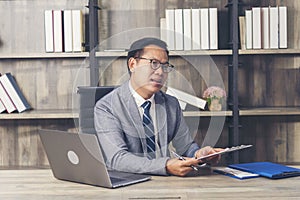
(48, 20)
(248, 19)
(163, 29)
(57, 31)
(256, 28)
(234, 173)
(274, 27)
(283, 27)
(196, 29)
(187, 98)
(187, 29)
(6, 101)
(265, 24)
(268, 169)
(12, 89)
(77, 30)
(178, 29)
(204, 23)
(170, 26)
(67, 30)
(2, 107)
(242, 32)
(213, 28)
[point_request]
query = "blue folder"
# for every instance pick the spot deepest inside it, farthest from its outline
(268, 169)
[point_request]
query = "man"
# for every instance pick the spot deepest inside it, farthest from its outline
(135, 134)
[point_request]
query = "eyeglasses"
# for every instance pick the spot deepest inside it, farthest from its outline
(155, 64)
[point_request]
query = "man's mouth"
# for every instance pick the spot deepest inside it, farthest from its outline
(156, 81)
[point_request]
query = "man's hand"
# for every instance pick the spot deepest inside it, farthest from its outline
(207, 151)
(178, 167)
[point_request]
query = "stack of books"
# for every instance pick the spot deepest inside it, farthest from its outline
(11, 97)
(63, 31)
(190, 29)
(264, 28)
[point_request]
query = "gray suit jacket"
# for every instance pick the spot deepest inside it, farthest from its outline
(121, 134)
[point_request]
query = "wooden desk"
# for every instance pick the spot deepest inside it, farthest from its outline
(40, 184)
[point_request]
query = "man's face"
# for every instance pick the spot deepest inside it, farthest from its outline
(145, 80)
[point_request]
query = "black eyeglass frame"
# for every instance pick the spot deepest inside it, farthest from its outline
(166, 67)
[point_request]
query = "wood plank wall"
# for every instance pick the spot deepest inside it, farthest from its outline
(45, 83)
(272, 80)
(264, 80)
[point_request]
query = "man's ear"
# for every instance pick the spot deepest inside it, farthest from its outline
(131, 64)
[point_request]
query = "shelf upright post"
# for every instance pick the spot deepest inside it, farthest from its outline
(93, 41)
(233, 77)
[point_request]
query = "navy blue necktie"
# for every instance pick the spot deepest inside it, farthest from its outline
(149, 129)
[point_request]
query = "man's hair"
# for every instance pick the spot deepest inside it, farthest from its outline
(137, 47)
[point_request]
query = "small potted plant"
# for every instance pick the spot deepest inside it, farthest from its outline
(215, 97)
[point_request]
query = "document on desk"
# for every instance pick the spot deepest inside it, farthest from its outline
(226, 150)
(234, 173)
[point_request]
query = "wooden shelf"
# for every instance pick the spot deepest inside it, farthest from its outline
(41, 114)
(43, 55)
(117, 53)
(268, 51)
(206, 113)
(69, 114)
(270, 111)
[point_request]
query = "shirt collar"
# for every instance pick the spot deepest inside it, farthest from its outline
(138, 98)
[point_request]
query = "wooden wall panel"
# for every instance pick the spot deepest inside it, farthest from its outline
(47, 84)
(22, 28)
(20, 143)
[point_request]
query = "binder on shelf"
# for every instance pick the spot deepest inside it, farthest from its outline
(2, 107)
(67, 30)
(163, 29)
(274, 27)
(248, 19)
(48, 20)
(265, 22)
(256, 28)
(187, 98)
(242, 32)
(13, 91)
(213, 28)
(170, 27)
(204, 28)
(6, 101)
(283, 27)
(178, 29)
(77, 30)
(187, 29)
(58, 31)
(196, 29)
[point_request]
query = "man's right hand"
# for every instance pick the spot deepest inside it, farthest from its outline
(178, 167)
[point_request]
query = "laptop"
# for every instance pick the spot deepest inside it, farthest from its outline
(78, 158)
(268, 169)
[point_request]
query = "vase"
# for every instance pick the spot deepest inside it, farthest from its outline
(215, 105)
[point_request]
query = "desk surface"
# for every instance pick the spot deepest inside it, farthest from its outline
(40, 184)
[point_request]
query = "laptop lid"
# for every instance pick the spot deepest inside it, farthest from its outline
(78, 158)
(268, 169)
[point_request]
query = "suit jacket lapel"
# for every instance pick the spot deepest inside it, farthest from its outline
(133, 113)
(161, 118)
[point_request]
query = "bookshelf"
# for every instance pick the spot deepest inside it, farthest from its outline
(272, 126)
(46, 80)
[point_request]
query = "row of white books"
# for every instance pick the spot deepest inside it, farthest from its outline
(190, 29)
(11, 97)
(63, 31)
(264, 28)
